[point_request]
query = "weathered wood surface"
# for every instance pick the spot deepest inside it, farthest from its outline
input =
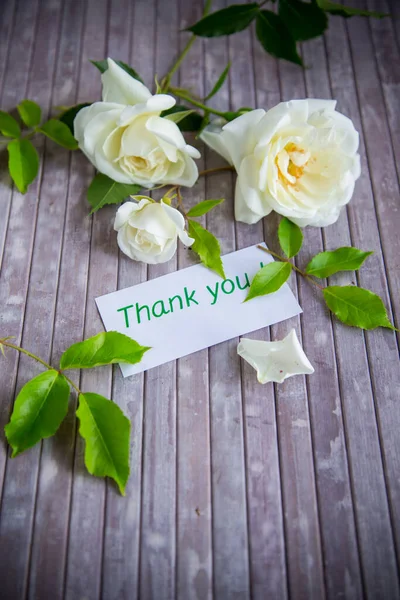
(237, 490)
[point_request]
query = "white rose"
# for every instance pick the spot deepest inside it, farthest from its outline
(125, 137)
(299, 159)
(148, 231)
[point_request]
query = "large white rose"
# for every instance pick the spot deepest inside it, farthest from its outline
(299, 158)
(148, 231)
(126, 139)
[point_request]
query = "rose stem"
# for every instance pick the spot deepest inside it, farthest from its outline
(282, 259)
(4, 342)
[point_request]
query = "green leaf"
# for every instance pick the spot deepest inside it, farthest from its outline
(275, 37)
(346, 11)
(304, 20)
(104, 190)
(106, 348)
(30, 112)
(68, 116)
(226, 21)
(102, 66)
(207, 247)
(269, 279)
(60, 133)
(9, 126)
(220, 82)
(346, 258)
(357, 307)
(38, 411)
(106, 431)
(23, 163)
(179, 115)
(203, 207)
(190, 122)
(290, 237)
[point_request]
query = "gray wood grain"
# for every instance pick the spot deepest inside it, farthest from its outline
(54, 483)
(339, 540)
(120, 570)
(237, 490)
(375, 535)
(303, 543)
(194, 579)
(230, 532)
(86, 519)
(158, 516)
(37, 242)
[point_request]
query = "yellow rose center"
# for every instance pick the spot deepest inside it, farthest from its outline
(291, 162)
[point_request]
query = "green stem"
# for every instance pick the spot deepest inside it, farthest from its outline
(167, 79)
(282, 259)
(196, 103)
(4, 342)
(19, 349)
(216, 170)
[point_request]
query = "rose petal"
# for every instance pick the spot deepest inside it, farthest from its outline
(120, 87)
(275, 361)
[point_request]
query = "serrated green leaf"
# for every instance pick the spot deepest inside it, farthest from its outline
(68, 116)
(290, 237)
(8, 125)
(106, 431)
(203, 207)
(104, 190)
(304, 20)
(30, 112)
(275, 37)
(102, 66)
(207, 247)
(347, 11)
(219, 83)
(60, 133)
(226, 21)
(346, 258)
(191, 122)
(23, 163)
(357, 307)
(106, 348)
(38, 411)
(269, 279)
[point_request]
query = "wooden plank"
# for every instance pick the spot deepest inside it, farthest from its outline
(343, 575)
(19, 491)
(364, 450)
(267, 539)
(7, 19)
(268, 578)
(385, 187)
(131, 38)
(387, 53)
(85, 542)
(230, 533)
(394, 10)
(49, 541)
(304, 560)
(194, 526)
(158, 513)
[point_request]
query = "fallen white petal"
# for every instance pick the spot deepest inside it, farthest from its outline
(275, 361)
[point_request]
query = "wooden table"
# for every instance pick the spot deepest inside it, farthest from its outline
(237, 490)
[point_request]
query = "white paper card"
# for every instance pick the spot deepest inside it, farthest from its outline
(193, 308)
